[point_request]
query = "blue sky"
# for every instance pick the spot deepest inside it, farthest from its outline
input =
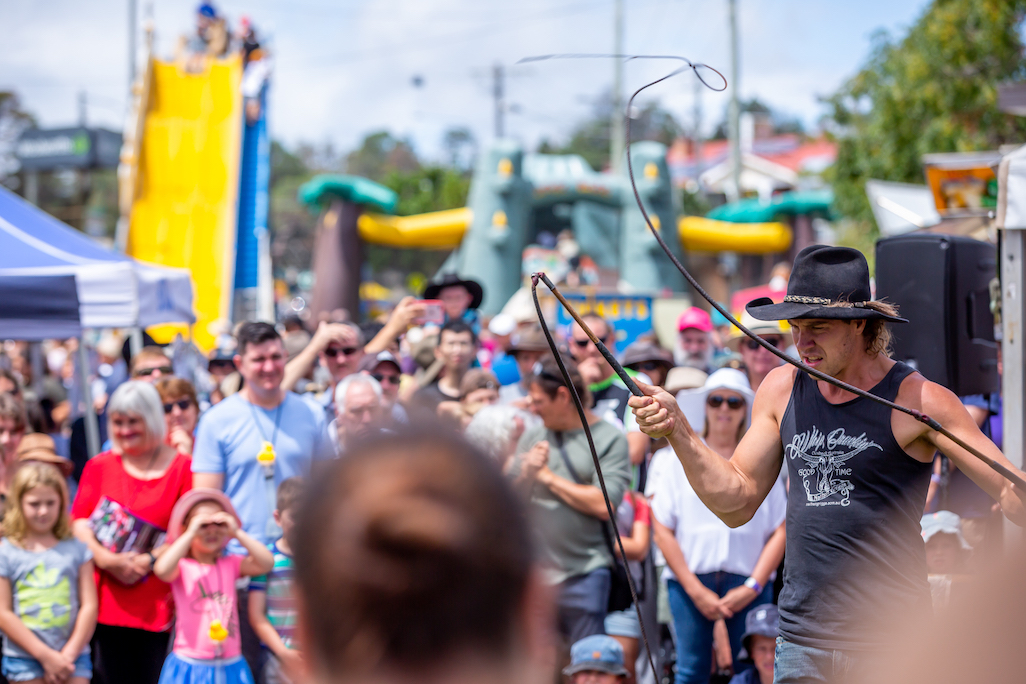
(344, 68)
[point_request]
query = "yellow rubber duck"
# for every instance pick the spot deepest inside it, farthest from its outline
(266, 454)
(217, 631)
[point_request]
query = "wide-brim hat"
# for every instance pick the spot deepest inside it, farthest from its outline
(822, 276)
(640, 352)
(758, 327)
(684, 378)
(36, 446)
(692, 402)
(186, 504)
(530, 340)
(448, 280)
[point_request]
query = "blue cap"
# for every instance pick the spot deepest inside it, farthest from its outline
(207, 10)
(596, 653)
(763, 620)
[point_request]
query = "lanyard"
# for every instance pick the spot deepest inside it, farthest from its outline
(260, 428)
(267, 457)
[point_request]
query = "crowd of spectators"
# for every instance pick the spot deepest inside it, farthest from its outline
(275, 404)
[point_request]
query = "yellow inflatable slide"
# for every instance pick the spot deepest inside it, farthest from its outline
(182, 175)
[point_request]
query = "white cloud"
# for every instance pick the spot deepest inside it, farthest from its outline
(344, 69)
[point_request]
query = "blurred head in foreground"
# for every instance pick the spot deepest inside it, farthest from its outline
(413, 558)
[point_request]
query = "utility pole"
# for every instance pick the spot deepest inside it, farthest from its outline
(82, 118)
(131, 45)
(735, 113)
(616, 122)
(499, 93)
(696, 148)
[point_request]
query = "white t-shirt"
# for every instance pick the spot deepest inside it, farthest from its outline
(708, 544)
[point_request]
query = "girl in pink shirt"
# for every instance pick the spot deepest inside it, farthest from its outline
(207, 644)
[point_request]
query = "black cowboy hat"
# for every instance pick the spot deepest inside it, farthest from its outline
(823, 275)
(449, 279)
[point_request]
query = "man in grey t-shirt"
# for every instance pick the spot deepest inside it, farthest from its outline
(566, 501)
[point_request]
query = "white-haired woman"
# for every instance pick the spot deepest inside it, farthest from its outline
(496, 429)
(122, 508)
(713, 572)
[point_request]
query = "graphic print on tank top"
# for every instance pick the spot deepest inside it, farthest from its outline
(825, 456)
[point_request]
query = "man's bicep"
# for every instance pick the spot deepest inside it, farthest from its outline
(759, 455)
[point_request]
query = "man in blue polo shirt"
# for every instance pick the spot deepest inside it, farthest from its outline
(248, 443)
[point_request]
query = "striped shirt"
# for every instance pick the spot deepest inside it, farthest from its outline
(281, 606)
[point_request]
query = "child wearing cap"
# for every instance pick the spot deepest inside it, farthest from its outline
(272, 605)
(208, 645)
(758, 644)
(596, 659)
(947, 553)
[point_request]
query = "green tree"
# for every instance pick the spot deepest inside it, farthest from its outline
(935, 90)
(13, 120)
(432, 188)
(379, 154)
(590, 138)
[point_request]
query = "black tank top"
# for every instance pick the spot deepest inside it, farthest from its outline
(854, 550)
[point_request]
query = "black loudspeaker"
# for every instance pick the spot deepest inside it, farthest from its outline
(941, 284)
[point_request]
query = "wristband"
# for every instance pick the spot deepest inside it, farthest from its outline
(754, 585)
(153, 559)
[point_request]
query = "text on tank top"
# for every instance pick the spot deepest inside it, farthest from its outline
(854, 551)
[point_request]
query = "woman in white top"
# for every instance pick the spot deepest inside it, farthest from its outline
(713, 571)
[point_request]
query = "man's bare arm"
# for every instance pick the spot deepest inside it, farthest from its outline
(733, 489)
(942, 404)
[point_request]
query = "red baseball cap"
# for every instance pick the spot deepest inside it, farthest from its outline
(695, 318)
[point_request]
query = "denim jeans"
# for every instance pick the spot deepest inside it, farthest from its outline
(796, 664)
(582, 603)
(695, 631)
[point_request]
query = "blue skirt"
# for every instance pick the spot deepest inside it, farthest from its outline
(181, 670)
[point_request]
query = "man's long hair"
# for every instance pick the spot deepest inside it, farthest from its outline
(877, 335)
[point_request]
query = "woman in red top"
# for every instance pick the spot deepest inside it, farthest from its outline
(129, 492)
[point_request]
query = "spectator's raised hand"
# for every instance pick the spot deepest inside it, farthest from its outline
(328, 333)
(406, 312)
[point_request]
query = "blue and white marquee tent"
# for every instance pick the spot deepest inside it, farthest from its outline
(114, 290)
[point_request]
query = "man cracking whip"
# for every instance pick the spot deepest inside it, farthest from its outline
(858, 470)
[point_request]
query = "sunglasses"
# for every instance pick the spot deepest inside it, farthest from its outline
(773, 341)
(381, 377)
(335, 351)
(648, 366)
(183, 404)
(733, 403)
(147, 372)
